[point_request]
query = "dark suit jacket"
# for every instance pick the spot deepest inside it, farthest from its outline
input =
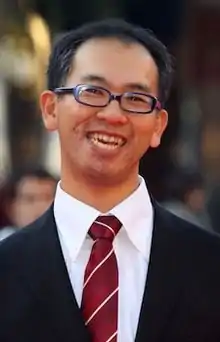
(182, 295)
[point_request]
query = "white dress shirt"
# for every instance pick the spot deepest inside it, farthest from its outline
(132, 248)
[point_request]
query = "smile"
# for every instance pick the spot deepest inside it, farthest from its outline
(106, 141)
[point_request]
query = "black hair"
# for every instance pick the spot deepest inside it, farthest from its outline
(64, 49)
(9, 184)
(181, 183)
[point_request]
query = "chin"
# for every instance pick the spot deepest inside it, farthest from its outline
(103, 177)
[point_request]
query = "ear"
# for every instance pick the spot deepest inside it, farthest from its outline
(48, 105)
(160, 126)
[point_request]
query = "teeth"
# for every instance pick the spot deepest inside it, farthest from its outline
(104, 145)
(106, 139)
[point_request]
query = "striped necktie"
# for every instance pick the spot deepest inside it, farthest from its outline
(100, 290)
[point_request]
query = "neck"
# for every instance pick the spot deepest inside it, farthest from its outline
(102, 197)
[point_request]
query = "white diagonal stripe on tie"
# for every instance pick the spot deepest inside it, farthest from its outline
(97, 267)
(100, 306)
(113, 335)
(105, 225)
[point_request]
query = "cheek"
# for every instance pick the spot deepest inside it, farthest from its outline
(144, 129)
(71, 115)
(18, 211)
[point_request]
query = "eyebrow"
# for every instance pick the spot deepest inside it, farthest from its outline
(135, 86)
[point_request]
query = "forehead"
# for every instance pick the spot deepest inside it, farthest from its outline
(117, 61)
(33, 184)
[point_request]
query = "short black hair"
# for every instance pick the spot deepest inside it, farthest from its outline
(183, 182)
(10, 183)
(64, 49)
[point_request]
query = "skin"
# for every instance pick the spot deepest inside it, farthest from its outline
(98, 176)
(33, 197)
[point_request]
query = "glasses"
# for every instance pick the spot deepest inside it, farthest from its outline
(94, 96)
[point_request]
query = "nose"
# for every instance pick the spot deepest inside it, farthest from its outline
(113, 113)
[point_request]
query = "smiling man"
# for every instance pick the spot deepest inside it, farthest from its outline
(106, 263)
(107, 115)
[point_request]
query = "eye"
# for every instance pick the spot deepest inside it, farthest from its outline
(93, 91)
(137, 98)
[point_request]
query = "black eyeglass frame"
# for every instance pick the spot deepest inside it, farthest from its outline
(75, 91)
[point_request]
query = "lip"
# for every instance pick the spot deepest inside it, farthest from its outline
(102, 151)
(110, 134)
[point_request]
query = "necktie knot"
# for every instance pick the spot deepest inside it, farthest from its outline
(105, 227)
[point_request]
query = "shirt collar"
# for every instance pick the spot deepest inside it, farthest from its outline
(136, 216)
(74, 218)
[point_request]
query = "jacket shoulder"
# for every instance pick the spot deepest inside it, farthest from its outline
(194, 243)
(18, 245)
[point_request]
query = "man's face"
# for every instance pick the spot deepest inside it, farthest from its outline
(33, 197)
(118, 67)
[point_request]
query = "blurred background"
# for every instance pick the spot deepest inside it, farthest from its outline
(184, 173)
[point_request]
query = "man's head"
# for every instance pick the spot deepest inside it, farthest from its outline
(62, 57)
(28, 193)
(103, 134)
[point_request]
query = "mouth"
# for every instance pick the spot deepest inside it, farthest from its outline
(106, 141)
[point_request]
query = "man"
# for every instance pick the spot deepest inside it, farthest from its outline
(106, 263)
(187, 198)
(25, 194)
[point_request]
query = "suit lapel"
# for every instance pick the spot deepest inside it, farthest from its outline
(56, 295)
(163, 279)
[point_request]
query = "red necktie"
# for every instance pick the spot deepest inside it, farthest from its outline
(100, 290)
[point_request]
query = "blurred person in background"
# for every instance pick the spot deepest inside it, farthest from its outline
(106, 262)
(213, 207)
(186, 198)
(5, 222)
(25, 195)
